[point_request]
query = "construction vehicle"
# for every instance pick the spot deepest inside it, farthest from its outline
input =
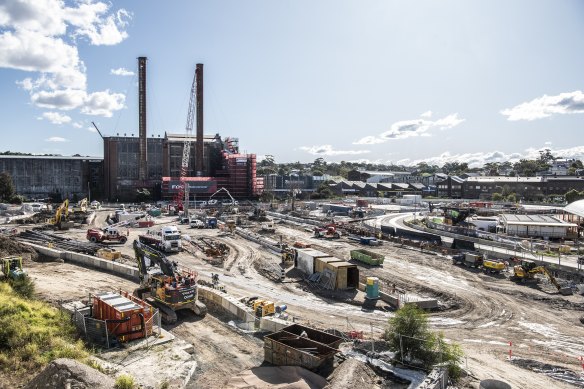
(108, 253)
(493, 266)
(288, 254)
(81, 206)
(259, 306)
(328, 232)
(268, 226)
(165, 286)
(165, 239)
(110, 234)
(61, 219)
(12, 268)
(527, 270)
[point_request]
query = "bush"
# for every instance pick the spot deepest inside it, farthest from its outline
(32, 334)
(124, 382)
(23, 286)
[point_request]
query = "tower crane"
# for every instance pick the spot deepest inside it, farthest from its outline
(183, 192)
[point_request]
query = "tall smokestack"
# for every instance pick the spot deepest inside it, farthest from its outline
(143, 152)
(199, 145)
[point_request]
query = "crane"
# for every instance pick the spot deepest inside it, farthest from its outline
(183, 192)
(226, 191)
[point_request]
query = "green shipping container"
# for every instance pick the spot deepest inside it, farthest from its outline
(367, 257)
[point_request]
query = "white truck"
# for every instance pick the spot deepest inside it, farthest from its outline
(166, 239)
(196, 223)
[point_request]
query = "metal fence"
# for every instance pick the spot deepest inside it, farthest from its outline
(96, 332)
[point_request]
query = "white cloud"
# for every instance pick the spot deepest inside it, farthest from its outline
(427, 114)
(77, 125)
(40, 36)
(59, 99)
(481, 158)
(103, 103)
(327, 150)
(408, 128)
(56, 139)
(121, 72)
(56, 117)
(545, 106)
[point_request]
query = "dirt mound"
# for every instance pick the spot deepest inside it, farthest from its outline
(10, 246)
(284, 377)
(67, 373)
(354, 374)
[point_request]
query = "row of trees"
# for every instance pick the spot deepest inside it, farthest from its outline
(523, 167)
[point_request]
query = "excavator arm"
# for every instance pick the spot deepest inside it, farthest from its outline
(144, 252)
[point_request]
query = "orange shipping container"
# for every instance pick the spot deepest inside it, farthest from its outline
(126, 316)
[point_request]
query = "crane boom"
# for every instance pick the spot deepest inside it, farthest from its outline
(184, 168)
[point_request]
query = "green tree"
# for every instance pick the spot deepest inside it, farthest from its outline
(409, 336)
(512, 197)
(497, 197)
(573, 195)
(7, 190)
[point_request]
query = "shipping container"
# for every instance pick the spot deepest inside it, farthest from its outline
(126, 316)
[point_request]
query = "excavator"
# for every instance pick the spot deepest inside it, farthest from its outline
(165, 286)
(527, 271)
(61, 219)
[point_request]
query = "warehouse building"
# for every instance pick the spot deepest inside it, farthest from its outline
(43, 176)
(536, 226)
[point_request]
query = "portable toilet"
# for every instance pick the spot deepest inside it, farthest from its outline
(372, 288)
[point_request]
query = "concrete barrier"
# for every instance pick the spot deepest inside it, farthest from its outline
(120, 269)
(394, 301)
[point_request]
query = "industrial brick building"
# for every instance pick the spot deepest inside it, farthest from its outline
(40, 176)
(132, 163)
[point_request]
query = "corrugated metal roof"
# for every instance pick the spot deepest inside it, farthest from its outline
(576, 208)
(534, 220)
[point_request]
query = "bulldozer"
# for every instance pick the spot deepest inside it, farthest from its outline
(165, 286)
(527, 270)
(12, 268)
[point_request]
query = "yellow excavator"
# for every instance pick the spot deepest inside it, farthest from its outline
(61, 219)
(527, 271)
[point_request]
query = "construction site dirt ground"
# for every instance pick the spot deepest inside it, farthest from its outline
(481, 312)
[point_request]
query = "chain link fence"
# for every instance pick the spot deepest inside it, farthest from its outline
(96, 331)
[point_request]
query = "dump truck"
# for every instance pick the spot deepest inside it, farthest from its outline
(493, 266)
(166, 239)
(368, 257)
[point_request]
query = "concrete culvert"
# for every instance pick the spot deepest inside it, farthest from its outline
(493, 384)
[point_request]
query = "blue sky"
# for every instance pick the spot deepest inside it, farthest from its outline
(382, 81)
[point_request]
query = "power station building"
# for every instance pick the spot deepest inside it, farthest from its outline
(132, 163)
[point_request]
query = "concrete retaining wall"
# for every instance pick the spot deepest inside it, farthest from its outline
(423, 303)
(90, 261)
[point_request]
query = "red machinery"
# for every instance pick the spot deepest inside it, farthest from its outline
(111, 234)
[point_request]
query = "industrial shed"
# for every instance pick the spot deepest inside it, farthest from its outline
(536, 226)
(305, 260)
(346, 274)
(321, 263)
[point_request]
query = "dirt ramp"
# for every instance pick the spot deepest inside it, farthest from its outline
(67, 373)
(280, 377)
(354, 374)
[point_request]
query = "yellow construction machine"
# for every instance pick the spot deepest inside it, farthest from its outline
(61, 219)
(259, 306)
(12, 268)
(81, 206)
(528, 269)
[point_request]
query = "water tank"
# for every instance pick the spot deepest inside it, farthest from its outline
(493, 384)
